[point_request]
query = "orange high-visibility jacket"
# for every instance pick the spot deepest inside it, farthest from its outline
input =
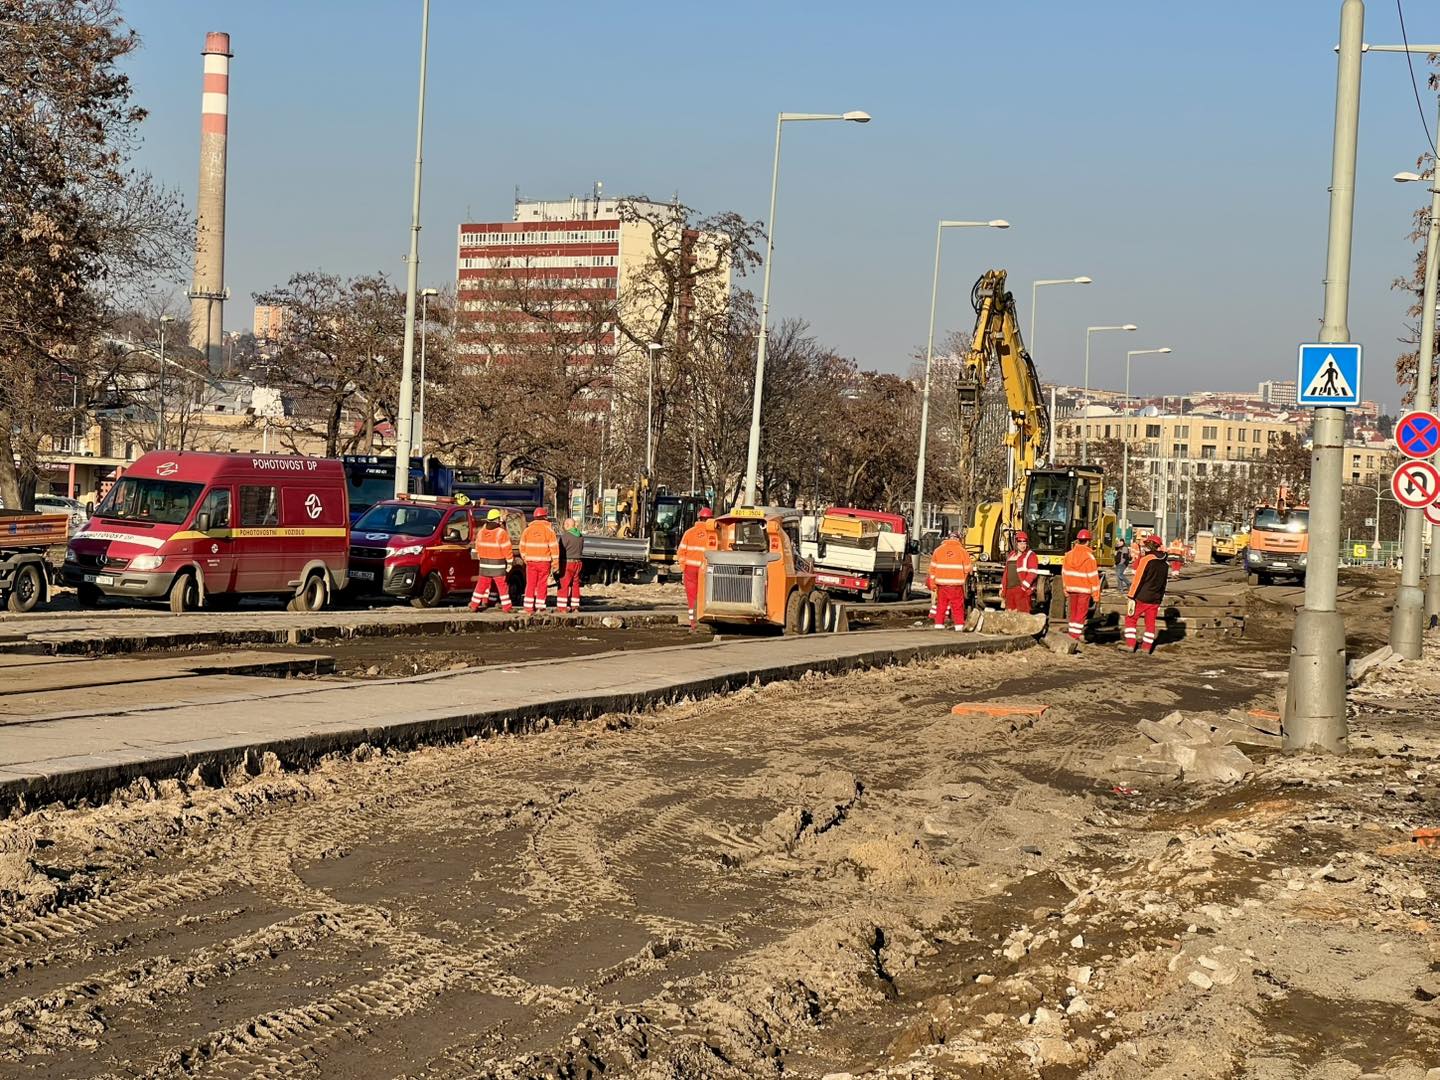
(493, 548)
(1080, 573)
(697, 540)
(951, 564)
(538, 543)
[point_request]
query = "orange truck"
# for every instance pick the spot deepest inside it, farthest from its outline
(756, 576)
(1279, 544)
(25, 540)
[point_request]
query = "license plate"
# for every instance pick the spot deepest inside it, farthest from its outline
(362, 575)
(1279, 566)
(99, 579)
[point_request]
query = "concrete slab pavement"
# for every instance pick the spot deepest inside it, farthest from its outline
(213, 725)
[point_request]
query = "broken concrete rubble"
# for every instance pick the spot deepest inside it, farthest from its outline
(1197, 747)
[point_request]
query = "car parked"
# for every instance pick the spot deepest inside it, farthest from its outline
(60, 504)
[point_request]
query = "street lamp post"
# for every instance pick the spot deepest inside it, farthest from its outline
(1125, 437)
(425, 295)
(1034, 288)
(940, 228)
(1085, 408)
(160, 409)
(1407, 621)
(651, 350)
(752, 464)
(412, 281)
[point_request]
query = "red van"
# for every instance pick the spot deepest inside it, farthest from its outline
(421, 547)
(207, 529)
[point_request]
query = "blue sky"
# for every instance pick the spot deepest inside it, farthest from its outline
(1177, 153)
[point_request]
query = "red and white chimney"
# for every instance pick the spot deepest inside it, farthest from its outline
(207, 292)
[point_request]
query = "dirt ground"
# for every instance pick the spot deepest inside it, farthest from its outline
(823, 878)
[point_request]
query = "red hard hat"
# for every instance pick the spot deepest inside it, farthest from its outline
(1023, 536)
(1083, 534)
(541, 512)
(1152, 540)
(706, 512)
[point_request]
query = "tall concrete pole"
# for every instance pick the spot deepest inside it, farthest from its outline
(918, 526)
(412, 282)
(1432, 582)
(752, 454)
(207, 290)
(1315, 699)
(1407, 620)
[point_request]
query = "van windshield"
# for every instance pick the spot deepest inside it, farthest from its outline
(164, 502)
(399, 518)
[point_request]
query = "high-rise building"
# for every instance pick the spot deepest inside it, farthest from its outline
(1277, 392)
(555, 275)
(269, 321)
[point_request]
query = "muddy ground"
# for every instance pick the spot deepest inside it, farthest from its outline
(827, 877)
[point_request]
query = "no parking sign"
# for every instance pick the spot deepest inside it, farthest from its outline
(1418, 434)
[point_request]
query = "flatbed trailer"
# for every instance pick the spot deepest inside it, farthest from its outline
(25, 541)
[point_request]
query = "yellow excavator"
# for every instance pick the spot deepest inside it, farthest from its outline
(1050, 502)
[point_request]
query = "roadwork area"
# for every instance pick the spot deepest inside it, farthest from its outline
(827, 876)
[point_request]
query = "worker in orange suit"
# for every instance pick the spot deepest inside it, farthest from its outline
(494, 555)
(1080, 578)
(690, 554)
(540, 548)
(950, 568)
(1147, 592)
(1022, 570)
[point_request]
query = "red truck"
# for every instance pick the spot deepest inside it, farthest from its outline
(206, 529)
(866, 553)
(422, 548)
(24, 570)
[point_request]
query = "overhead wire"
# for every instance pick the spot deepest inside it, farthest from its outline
(1414, 85)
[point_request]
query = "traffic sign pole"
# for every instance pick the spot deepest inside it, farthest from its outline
(1407, 621)
(1315, 697)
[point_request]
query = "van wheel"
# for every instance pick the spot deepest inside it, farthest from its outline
(184, 595)
(432, 591)
(25, 590)
(819, 612)
(795, 609)
(311, 596)
(88, 596)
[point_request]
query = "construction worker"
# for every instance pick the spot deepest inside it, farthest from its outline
(950, 567)
(495, 554)
(567, 593)
(698, 539)
(1022, 570)
(540, 548)
(1080, 578)
(1147, 591)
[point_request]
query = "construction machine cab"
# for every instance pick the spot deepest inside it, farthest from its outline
(1059, 503)
(756, 575)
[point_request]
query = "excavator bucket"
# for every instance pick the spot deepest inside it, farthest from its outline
(967, 390)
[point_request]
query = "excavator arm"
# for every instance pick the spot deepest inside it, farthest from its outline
(996, 344)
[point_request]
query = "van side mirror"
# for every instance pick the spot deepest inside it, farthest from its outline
(912, 547)
(452, 535)
(90, 508)
(202, 521)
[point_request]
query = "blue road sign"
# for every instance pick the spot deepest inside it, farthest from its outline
(1329, 375)
(1418, 434)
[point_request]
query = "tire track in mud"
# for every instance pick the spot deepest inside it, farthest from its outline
(581, 840)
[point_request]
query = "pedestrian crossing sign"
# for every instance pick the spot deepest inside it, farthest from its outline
(1329, 375)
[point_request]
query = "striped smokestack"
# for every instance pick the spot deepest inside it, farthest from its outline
(207, 292)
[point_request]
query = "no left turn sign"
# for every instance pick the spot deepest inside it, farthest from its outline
(1415, 485)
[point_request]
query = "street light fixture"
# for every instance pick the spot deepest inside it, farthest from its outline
(1034, 287)
(160, 411)
(1084, 415)
(997, 223)
(1125, 437)
(752, 464)
(425, 295)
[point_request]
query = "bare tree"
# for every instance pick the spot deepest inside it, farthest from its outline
(77, 227)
